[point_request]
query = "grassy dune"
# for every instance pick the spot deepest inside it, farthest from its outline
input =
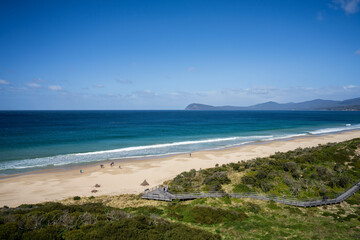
(303, 173)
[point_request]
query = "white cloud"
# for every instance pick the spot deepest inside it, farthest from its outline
(124, 81)
(4, 82)
(350, 87)
(55, 88)
(33, 85)
(98, 85)
(349, 6)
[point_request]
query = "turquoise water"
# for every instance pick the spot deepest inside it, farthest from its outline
(32, 140)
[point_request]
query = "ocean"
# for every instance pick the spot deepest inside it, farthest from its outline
(34, 140)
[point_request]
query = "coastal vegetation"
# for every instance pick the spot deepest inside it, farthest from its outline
(302, 173)
(211, 218)
(90, 221)
(325, 170)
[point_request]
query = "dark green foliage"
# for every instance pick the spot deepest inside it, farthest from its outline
(207, 180)
(293, 210)
(226, 200)
(10, 231)
(272, 205)
(241, 188)
(343, 181)
(249, 179)
(337, 216)
(290, 166)
(326, 214)
(146, 210)
(252, 207)
(76, 198)
(216, 177)
(325, 170)
(204, 214)
(354, 199)
(185, 181)
(50, 232)
(350, 216)
(90, 221)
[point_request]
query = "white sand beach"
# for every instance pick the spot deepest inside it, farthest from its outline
(58, 184)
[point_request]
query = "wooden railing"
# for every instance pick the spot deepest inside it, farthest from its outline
(157, 193)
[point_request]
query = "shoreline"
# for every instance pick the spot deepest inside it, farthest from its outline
(57, 184)
(79, 166)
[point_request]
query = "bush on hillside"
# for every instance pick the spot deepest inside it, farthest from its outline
(89, 221)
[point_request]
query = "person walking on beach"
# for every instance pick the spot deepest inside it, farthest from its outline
(81, 171)
(190, 154)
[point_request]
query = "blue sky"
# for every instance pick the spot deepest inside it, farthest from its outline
(168, 54)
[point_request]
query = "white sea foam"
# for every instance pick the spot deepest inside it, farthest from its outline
(287, 136)
(171, 145)
(157, 149)
(129, 152)
(347, 127)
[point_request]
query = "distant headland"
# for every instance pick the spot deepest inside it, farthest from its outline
(313, 105)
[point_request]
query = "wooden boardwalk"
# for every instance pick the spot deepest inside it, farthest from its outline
(158, 193)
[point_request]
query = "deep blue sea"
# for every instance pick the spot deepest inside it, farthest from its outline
(32, 140)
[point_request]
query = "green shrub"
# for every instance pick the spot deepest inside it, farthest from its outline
(76, 198)
(294, 210)
(49, 232)
(272, 205)
(252, 207)
(290, 166)
(241, 188)
(204, 214)
(226, 200)
(10, 231)
(217, 178)
(350, 216)
(146, 210)
(209, 215)
(91, 221)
